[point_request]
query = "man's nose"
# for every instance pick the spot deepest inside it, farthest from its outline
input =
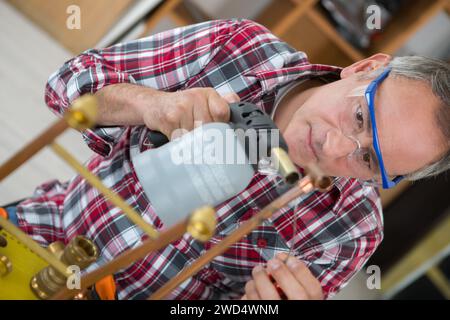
(338, 145)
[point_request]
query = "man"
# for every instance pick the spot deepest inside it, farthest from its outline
(170, 80)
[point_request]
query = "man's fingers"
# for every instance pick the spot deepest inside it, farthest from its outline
(264, 285)
(286, 280)
(283, 256)
(231, 97)
(169, 120)
(201, 115)
(218, 107)
(251, 292)
(189, 108)
(305, 277)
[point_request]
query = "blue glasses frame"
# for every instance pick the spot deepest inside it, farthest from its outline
(370, 98)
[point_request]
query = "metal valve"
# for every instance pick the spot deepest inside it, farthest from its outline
(5, 266)
(81, 252)
(202, 223)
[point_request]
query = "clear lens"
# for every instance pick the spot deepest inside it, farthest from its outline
(364, 164)
(357, 126)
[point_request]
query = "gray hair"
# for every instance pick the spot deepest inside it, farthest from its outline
(435, 73)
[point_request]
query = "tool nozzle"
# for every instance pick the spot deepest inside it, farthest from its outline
(284, 165)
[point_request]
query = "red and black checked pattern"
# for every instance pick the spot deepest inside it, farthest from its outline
(337, 231)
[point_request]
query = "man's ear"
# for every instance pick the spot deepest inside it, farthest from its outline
(366, 65)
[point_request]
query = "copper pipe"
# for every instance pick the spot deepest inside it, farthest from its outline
(305, 185)
(125, 259)
(32, 148)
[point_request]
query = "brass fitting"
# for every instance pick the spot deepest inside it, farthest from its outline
(284, 165)
(202, 223)
(5, 266)
(81, 252)
(82, 114)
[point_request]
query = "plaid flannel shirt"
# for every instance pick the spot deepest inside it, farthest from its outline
(337, 231)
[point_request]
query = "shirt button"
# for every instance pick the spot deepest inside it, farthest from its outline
(261, 243)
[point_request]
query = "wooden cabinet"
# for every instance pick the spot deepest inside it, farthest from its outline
(303, 24)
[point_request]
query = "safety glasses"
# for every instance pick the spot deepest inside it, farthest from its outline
(370, 99)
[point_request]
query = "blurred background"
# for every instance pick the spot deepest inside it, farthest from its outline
(35, 41)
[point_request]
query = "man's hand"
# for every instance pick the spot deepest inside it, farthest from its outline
(129, 104)
(292, 276)
(186, 109)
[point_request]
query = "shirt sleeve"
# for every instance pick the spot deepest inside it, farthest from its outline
(336, 262)
(164, 61)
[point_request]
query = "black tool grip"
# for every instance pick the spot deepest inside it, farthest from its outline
(157, 138)
(244, 115)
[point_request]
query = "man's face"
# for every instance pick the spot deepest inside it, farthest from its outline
(405, 112)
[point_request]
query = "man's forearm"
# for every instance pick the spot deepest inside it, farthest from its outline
(124, 103)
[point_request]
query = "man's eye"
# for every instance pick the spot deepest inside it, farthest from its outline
(359, 116)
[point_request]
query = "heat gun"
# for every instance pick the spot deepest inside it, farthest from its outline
(211, 163)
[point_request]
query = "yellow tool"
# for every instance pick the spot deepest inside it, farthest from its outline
(28, 271)
(24, 264)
